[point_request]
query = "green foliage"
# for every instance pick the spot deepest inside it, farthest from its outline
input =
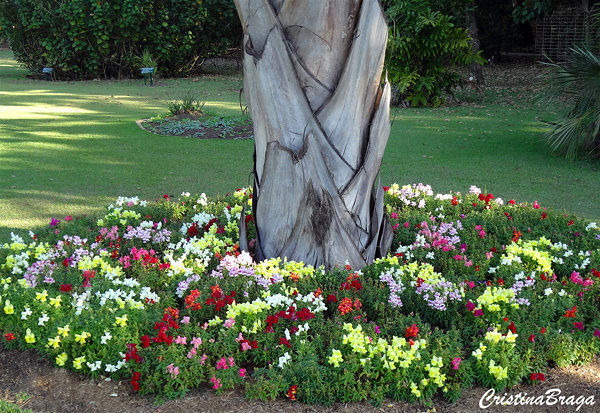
(146, 59)
(577, 132)
(424, 39)
(533, 9)
(188, 102)
(91, 38)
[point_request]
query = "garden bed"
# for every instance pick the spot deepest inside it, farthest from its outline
(477, 292)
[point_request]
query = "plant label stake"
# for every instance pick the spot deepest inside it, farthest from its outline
(147, 71)
(47, 71)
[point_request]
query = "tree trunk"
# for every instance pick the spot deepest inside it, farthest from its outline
(312, 82)
(475, 70)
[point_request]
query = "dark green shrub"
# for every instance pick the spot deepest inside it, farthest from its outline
(90, 38)
(425, 38)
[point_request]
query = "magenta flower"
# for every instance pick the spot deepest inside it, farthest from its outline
(470, 306)
(54, 222)
(242, 372)
(217, 382)
(597, 333)
(456, 363)
(478, 312)
(578, 325)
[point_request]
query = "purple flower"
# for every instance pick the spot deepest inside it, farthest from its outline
(54, 222)
(597, 333)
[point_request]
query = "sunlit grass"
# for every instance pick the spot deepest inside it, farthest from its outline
(70, 148)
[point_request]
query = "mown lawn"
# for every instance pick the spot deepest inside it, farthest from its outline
(70, 148)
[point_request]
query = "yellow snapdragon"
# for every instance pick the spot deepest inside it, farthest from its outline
(80, 338)
(64, 331)
(29, 336)
(41, 296)
(500, 373)
(54, 342)
(78, 362)
(336, 358)
(8, 307)
(121, 321)
(61, 359)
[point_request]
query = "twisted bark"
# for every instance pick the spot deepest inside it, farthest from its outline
(312, 81)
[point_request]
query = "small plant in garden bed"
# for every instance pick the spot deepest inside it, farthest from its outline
(475, 290)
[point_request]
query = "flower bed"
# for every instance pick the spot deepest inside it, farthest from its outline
(476, 290)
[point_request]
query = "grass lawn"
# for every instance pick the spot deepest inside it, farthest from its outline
(70, 148)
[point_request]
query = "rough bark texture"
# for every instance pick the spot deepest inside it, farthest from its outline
(475, 70)
(312, 81)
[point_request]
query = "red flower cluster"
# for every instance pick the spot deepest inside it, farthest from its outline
(135, 380)
(346, 305)
(168, 321)
(88, 275)
(193, 230)
(571, 313)
(9, 336)
(516, 235)
(454, 201)
(512, 327)
(537, 376)
(487, 198)
(290, 314)
(411, 331)
(248, 344)
(220, 229)
(218, 299)
(65, 288)
(351, 282)
(544, 215)
(132, 353)
(190, 300)
(291, 393)
(595, 272)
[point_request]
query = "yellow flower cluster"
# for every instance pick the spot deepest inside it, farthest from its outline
(393, 355)
(495, 337)
(478, 354)
(121, 216)
(500, 373)
(8, 307)
(41, 296)
(289, 269)
(121, 321)
(434, 371)
(535, 250)
(86, 263)
(54, 342)
(336, 358)
(64, 331)
(255, 307)
(494, 295)
(61, 359)
(424, 271)
(80, 338)
(55, 301)
(78, 362)
(29, 336)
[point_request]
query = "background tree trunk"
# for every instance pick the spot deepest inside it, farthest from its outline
(312, 82)
(475, 70)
